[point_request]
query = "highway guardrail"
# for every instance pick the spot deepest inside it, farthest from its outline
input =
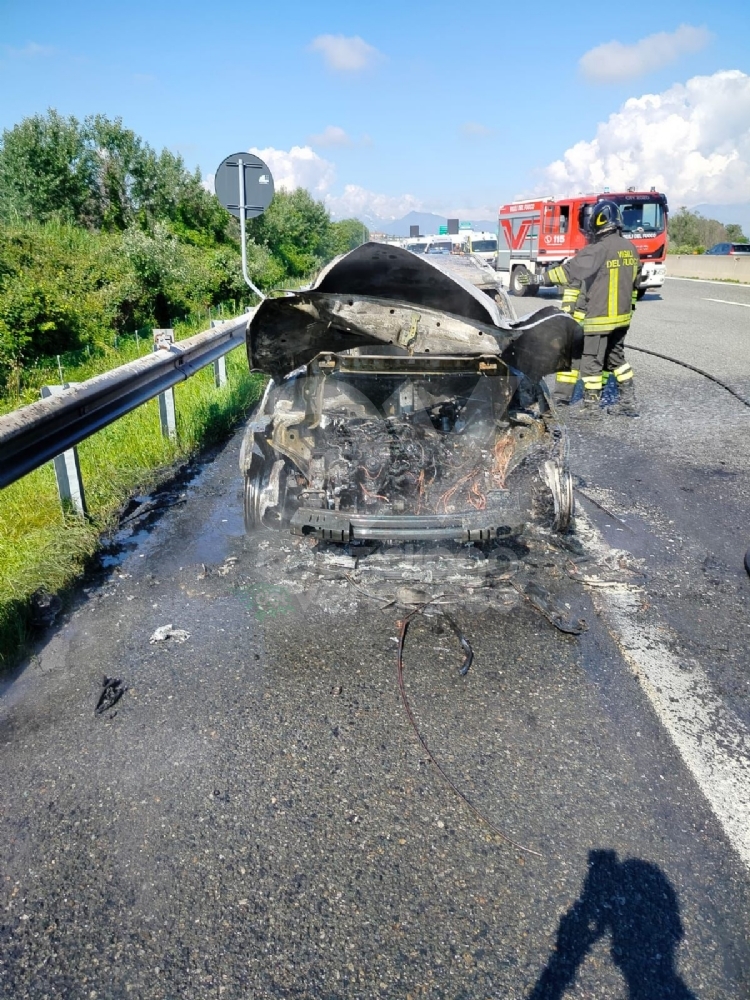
(39, 432)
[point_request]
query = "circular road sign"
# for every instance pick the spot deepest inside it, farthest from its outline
(258, 184)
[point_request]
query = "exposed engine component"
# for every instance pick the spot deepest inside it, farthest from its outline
(400, 421)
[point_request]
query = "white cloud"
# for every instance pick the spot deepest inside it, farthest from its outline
(486, 212)
(613, 62)
(346, 55)
(475, 130)
(32, 50)
(332, 135)
(692, 141)
(302, 167)
(299, 167)
(358, 201)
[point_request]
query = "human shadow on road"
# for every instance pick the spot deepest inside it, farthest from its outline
(634, 902)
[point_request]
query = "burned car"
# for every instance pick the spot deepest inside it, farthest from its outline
(405, 402)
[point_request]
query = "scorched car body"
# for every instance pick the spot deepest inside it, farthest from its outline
(405, 403)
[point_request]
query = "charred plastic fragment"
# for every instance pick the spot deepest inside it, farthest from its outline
(405, 403)
(112, 690)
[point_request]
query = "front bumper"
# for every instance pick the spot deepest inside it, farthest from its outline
(334, 526)
(652, 275)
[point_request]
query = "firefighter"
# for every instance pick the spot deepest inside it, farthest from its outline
(600, 292)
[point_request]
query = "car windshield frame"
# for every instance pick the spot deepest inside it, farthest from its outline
(484, 246)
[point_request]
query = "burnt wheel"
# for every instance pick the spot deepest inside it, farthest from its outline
(564, 503)
(265, 496)
(253, 487)
(556, 505)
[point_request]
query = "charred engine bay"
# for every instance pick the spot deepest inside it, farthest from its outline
(404, 404)
(384, 445)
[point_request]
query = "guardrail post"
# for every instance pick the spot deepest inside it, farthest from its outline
(220, 365)
(37, 433)
(67, 467)
(163, 340)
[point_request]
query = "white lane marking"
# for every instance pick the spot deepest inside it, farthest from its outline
(728, 302)
(705, 281)
(711, 739)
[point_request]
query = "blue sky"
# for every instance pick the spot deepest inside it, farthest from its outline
(441, 106)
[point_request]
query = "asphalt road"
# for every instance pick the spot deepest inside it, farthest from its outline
(256, 818)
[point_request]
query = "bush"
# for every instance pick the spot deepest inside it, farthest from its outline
(100, 234)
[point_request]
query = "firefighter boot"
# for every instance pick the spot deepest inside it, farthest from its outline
(626, 405)
(589, 405)
(566, 388)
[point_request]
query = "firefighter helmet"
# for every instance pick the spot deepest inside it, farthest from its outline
(605, 218)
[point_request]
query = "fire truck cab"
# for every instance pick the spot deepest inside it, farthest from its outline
(535, 235)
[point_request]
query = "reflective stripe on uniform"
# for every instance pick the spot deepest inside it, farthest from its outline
(579, 316)
(604, 324)
(614, 288)
(570, 294)
(593, 382)
(570, 378)
(623, 373)
(557, 276)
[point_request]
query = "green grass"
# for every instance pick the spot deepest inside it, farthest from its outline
(41, 550)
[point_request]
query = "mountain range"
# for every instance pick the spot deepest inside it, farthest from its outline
(428, 223)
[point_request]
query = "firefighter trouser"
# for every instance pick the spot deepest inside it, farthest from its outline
(602, 353)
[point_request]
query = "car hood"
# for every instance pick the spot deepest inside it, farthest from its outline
(389, 299)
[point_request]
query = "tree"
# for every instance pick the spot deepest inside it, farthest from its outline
(99, 232)
(54, 291)
(690, 231)
(121, 160)
(296, 229)
(101, 175)
(683, 228)
(348, 234)
(47, 171)
(735, 234)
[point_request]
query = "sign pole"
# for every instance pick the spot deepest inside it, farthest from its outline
(243, 234)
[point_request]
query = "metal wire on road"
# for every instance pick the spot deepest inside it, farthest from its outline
(692, 368)
(403, 626)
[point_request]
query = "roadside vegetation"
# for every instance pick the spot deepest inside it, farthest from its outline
(691, 233)
(102, 239)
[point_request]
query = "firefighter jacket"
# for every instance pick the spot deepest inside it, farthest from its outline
(600, 284)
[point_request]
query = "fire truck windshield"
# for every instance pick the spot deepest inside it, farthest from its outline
(642, 217)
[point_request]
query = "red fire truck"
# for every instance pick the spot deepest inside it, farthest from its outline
(535, 235)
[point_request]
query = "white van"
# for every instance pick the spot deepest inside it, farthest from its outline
(483, 245)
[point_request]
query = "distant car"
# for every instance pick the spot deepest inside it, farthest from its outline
(724, 249)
